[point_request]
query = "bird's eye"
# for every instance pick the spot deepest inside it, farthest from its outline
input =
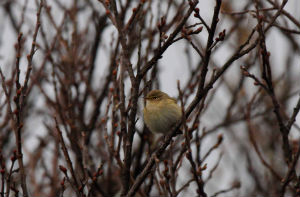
(155, 97)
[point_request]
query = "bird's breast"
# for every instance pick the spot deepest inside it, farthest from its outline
(160, 117)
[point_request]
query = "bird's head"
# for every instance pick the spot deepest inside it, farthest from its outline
(156, 96)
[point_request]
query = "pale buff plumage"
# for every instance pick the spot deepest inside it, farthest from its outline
(161, 112)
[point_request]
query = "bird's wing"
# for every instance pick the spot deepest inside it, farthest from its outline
(174, 99)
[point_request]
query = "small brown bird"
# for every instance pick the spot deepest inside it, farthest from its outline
(161, 112)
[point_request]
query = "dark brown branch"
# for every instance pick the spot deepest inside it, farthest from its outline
(210, 40)
(68, 160)
(169, 41)
(288, 177)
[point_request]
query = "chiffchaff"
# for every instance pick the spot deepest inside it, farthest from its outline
(161, 112)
